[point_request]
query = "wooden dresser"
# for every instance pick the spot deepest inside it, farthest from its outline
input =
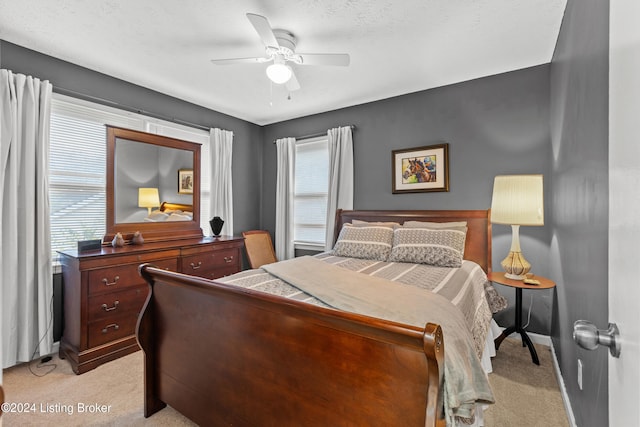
(104, 293)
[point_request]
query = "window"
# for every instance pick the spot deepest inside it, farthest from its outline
(310, 194)
(77, 176)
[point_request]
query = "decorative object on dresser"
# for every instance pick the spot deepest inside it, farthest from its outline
(104, 293)
(137, 238)
(216, 224)
(420, 169)
(89, 245)
(517, 200)
(118, 241)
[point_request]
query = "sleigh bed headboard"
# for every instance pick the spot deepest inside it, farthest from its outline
(478, 241)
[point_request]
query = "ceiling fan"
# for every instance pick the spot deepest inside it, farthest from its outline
(280, 48)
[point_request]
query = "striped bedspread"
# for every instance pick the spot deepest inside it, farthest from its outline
(466, 287)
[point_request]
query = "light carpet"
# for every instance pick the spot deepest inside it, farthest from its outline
(112, 394)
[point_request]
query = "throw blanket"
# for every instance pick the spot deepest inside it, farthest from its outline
(465, 382)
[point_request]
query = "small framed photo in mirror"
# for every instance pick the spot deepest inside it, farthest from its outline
(185, 181)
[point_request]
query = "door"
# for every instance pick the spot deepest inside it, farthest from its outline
(624, 209)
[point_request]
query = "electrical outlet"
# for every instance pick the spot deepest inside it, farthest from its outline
(580, 374)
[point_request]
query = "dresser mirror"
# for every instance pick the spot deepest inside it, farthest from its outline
(153, 186)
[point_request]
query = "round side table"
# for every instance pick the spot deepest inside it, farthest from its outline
(519, 285)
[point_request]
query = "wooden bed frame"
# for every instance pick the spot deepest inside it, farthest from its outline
(175, 206)
(223, 355)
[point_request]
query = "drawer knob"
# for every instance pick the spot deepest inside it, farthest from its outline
(228, 259)
(113, 325)
(106, 308)
(195, 267)
(107, 283)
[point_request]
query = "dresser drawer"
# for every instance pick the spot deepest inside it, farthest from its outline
(209, 260)
(122, 276)
(112, 328)
(112, 304)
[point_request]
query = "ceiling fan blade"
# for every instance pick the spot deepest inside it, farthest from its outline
(292, 84)
(232, 61)
(336, 59)
(263, 28)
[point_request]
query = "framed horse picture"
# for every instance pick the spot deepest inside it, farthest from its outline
(420, 169)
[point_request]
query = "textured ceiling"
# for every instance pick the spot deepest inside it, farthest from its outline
(396, 46)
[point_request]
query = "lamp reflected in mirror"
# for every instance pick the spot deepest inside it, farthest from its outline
(148, 198)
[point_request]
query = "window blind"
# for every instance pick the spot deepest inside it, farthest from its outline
(310, 191)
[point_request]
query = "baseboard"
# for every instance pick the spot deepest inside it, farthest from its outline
(563, 389)
(56, 347)
(546, 340)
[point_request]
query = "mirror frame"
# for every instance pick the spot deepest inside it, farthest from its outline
(151, 231)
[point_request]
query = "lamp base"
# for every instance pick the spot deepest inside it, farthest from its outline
(515, 266)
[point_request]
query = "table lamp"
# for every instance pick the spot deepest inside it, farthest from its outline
(148, 198)
(517, 200)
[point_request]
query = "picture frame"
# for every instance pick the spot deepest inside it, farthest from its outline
(420, 169)
(185, 181)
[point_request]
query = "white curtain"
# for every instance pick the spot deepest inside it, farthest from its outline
(284, 198)
(340, 194)
(26, 282)
(221, 202)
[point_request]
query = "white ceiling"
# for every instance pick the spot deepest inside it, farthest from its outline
(396, 46)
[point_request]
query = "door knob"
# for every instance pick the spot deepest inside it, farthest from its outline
(589, 337)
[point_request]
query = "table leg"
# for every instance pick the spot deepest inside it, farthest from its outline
(518, 328)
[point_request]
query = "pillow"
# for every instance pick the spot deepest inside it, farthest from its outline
(372, 242)
(436, 225)
(437, 247)
(359, 223)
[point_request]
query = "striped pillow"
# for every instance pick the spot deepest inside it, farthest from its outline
(364, 242)
(438, 247)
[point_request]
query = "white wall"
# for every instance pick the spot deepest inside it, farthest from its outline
(624, 206)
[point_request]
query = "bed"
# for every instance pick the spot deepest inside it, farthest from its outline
(171, 212)
(231, 353)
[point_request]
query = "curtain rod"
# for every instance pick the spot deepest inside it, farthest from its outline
(103, 101)
(314, 135)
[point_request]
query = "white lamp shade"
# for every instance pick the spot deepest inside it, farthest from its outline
(148, 197)
(279, 73)
(517, 200)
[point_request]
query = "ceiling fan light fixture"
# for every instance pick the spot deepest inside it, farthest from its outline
(279, 73)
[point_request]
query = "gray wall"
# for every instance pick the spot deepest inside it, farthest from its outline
(95, 86)
(579, 220)
(494, 125)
